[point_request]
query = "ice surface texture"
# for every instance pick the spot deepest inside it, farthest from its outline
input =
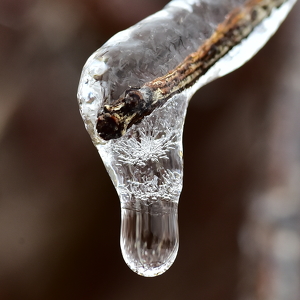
(145, 163)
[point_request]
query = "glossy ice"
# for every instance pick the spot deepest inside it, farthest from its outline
(146, 164)
(146, 167)
(149, 237)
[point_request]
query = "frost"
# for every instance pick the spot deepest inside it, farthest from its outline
(151, 189)
(149, 145)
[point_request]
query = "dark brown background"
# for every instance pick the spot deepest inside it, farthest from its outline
(59, 213)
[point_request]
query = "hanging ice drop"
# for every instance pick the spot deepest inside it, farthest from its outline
(133, 95)
(146, 168)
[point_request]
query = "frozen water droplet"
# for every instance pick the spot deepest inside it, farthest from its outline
(140, 116)
(146, 168)
(149, 237)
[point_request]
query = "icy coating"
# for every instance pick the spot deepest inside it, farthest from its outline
(146, 164)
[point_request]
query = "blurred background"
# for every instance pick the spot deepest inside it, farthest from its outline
(239, 212)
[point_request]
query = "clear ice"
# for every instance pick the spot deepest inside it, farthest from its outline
(146, 164)
(146, 168)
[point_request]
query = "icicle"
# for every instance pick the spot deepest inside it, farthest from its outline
(133, 96)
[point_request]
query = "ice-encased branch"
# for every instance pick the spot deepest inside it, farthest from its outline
(184, 46)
